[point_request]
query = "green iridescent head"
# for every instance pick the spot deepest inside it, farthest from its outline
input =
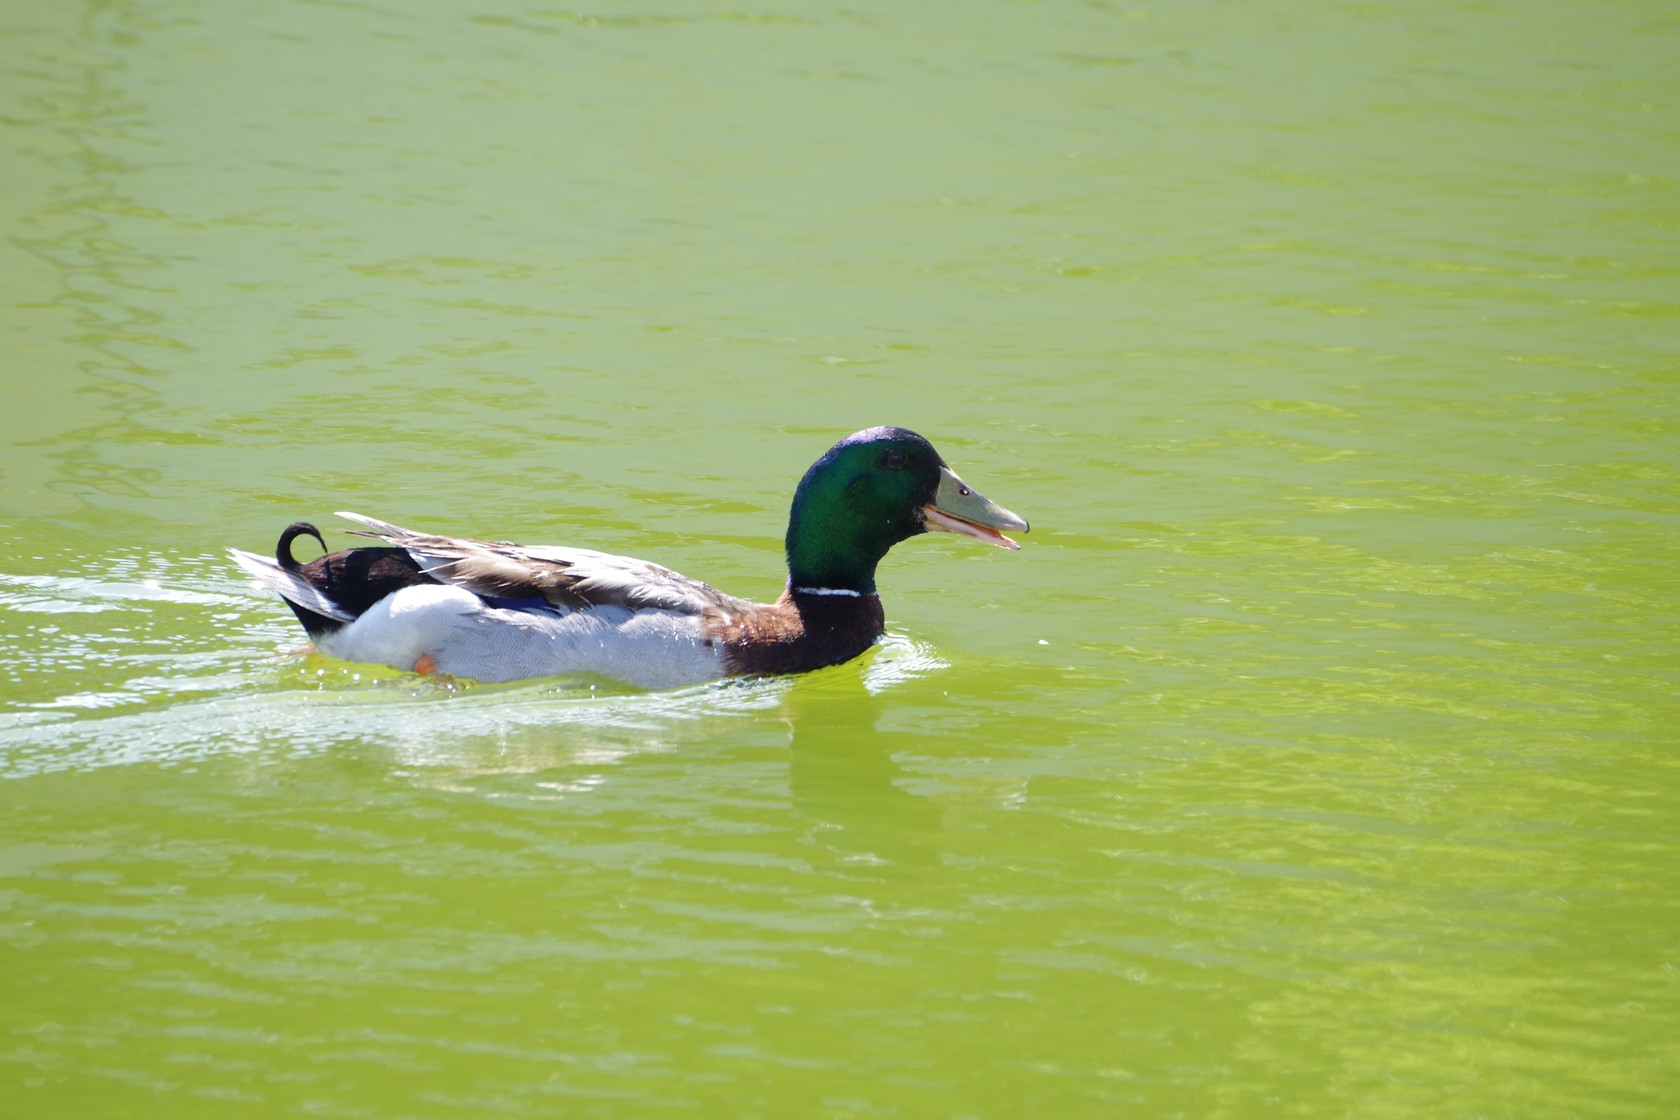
(871, 490)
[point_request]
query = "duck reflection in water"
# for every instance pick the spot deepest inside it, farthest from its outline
(845, 780)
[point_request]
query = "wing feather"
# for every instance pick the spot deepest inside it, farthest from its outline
(567, 578)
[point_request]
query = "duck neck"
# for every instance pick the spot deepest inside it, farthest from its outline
(830, 554)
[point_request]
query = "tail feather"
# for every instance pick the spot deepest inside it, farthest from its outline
(291, 586)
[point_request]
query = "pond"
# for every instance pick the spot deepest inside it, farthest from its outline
(1315, 755)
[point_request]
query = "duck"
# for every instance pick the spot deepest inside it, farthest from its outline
(492, 611)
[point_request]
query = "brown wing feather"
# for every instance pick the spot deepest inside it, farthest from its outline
(571, 579)
(506, 577)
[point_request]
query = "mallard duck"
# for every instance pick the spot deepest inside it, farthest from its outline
(501, 612)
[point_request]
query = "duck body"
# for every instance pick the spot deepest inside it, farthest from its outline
(494, 611)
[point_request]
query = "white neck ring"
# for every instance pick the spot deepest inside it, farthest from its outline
(843, 591)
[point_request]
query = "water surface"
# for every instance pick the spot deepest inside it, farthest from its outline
(1314, 757)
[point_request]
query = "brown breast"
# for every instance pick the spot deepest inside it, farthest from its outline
(799, 633)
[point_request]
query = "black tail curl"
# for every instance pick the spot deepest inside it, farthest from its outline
(283, 551)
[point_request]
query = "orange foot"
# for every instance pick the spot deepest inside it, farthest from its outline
(426, 665)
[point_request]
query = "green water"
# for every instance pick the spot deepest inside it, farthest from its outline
(1314, 757)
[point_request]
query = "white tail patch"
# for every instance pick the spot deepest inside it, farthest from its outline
(290, 586)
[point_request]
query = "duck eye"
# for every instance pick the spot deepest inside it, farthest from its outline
(893, 460)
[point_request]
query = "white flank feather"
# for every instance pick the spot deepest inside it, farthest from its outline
(467, 637)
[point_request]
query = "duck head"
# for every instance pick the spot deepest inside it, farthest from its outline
(868, 492)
